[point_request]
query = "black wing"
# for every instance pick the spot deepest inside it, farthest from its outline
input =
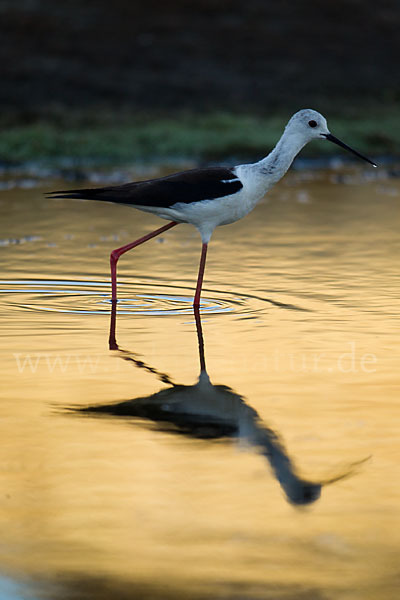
(188, 186)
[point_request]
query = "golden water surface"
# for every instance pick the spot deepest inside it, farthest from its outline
(275, 476)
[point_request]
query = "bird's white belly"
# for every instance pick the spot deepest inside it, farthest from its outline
(209, 214)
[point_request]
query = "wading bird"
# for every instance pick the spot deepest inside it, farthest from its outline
(214, 196)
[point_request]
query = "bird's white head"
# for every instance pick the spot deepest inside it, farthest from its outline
(308, 124)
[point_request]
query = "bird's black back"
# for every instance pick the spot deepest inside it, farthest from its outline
(188, 186)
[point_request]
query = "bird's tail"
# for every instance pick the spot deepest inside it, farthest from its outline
(106, 194)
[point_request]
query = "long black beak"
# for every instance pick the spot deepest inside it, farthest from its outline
(335, 140)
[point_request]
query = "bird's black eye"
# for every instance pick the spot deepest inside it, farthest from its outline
(312, 123)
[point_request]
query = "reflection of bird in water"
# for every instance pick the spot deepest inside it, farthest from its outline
(209, 411)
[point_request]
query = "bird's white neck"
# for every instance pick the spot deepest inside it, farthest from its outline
(273, 167)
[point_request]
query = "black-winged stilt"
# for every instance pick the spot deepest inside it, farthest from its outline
(210, 197)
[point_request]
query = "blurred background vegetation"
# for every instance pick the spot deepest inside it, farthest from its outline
(206, 79)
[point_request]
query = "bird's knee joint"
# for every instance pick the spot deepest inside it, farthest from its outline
(114, 256)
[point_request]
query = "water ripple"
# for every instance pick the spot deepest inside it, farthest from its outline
(136, 298)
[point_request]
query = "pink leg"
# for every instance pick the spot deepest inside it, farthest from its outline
(115, 254)
(201, 274)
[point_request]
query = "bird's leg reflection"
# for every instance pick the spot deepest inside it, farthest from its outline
(200, 338)
(209, 411)
(112, 341)
(130, 356)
